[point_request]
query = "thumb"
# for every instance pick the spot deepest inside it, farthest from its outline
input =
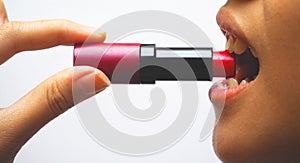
(51, 98)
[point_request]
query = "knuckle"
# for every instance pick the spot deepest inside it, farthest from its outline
(11, 26)
(11, 31)
(57, 101)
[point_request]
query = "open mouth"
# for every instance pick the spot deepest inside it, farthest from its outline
(247, 65)
(247, 61)
(247, 69)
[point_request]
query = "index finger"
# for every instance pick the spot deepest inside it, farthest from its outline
(22, 36)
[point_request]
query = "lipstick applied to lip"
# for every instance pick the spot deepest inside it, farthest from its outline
(135, 63)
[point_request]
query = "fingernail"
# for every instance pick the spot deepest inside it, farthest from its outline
(95, 35)
(94, 30)
(87, 82)
(101, 80)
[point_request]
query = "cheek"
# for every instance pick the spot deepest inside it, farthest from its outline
(282, 23)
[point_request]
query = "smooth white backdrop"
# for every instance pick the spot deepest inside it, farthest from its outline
(64, 139)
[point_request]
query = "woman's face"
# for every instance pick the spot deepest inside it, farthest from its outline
(260, 120)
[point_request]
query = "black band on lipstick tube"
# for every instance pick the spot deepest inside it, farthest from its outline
(174, 64)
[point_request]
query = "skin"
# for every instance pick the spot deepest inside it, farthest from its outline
(20, 121)
(261, 123)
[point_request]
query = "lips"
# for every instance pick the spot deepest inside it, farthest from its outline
(247, 65)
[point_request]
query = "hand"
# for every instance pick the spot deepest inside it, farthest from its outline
(20, 121)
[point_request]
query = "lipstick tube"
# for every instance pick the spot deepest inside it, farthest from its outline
(134, 63)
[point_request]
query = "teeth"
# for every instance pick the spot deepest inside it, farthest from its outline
(229, 44)
(235, 45)
(243, 82)
(239, 46)
(247, 80)
(232, 83)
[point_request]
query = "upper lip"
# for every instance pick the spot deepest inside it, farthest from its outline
(228, 23)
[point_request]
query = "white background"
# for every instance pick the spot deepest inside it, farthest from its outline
(64, 139)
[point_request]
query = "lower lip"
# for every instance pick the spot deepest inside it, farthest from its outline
(219, 93)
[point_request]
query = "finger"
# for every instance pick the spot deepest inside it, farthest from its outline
(53, 97)
(3, 14)
(21, 36)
